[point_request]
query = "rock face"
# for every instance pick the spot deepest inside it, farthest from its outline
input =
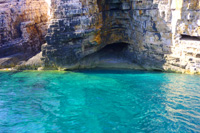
(81, 28)
(185, 47)
(157, 34)
(142, 34)
(23, 26)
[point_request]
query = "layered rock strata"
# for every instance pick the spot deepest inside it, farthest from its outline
(23, 26)
(155, 32)
(81, 28)
(141, 34)
(185, 49)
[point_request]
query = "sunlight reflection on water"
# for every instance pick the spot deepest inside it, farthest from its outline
(99, 101)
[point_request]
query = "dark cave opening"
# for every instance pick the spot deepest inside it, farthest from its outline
(112, 55)
(190, 38)
(115, 51)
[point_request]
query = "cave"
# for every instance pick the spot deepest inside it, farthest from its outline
(189, 38)
(111, 55)
(113, 51)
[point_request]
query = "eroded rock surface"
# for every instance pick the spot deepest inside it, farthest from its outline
(152, 28)
(185, 47)
(79, 28)
(143, 34)
(23, 26)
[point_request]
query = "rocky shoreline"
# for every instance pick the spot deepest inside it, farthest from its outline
(155, 35)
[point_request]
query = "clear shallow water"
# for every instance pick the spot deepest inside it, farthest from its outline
(99, 101)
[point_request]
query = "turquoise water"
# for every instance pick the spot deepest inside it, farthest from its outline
(99, 101)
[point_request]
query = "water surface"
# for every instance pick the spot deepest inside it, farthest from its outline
(99, 101)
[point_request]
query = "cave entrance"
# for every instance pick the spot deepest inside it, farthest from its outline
(189, 38)
(111, 56)
(113, 51)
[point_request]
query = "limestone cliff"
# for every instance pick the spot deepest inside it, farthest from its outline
(157, 34)
(185, 46)
(142, 34)
(23, 26)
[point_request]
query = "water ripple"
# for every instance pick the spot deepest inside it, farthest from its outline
(99, 101)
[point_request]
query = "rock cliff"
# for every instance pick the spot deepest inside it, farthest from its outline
(79, 29)
(141, 34)
(23, 26)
